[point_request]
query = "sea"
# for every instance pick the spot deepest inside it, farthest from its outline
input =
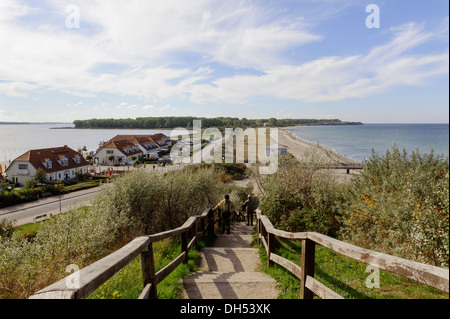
(357, 141)
(17, 139)
(354, 141)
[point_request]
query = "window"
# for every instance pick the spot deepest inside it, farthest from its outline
(23, 166)
(49, 164)
(64, 161)
(109, 152)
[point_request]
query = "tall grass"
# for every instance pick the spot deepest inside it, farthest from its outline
(127, 283)
(398, 205)
(136, 204)
(344, 275)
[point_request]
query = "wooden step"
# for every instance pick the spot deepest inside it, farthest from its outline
(224, 259)
(233, 240)
(235, 285)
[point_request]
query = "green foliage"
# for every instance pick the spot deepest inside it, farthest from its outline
(138, 203)
(345, 276)
(400, 205)
(150, 202)
(186, 121)
(41, 176)
(302, 197)
(31, 192)
(6, 228)
(127, 282)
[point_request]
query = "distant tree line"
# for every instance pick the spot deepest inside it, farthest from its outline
(187, 122)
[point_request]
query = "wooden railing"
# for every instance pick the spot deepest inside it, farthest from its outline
(81, 284)
(85, 281)
(423, 273)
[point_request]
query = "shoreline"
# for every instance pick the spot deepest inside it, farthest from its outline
(299, 148)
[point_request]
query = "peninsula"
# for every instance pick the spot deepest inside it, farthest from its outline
(186, 122)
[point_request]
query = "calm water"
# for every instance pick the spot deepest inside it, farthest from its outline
(356, 142)
(18, 139)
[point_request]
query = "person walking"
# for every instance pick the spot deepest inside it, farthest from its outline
(250, 205)
(226, 208)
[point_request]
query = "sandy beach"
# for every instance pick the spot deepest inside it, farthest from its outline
(300, 149)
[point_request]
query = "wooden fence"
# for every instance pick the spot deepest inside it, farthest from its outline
(423, 273)
(84, 282)
(81, 284)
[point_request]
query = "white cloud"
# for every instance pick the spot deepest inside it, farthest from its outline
(336, 78)
(164, 108)
(16, 89)
(149, 37)
(50, 56)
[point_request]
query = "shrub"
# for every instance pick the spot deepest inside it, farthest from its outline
(400, 205)
(137, 203)
(300, 195)
(6, 228)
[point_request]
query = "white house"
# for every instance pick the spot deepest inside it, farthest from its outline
(118, 152)
(148, 146)
(60, 164)
(276, 149)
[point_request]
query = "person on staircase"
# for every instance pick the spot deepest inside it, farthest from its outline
(226, 209)
(250, 206)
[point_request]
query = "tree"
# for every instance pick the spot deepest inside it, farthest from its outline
(272, 121)
(41, 176)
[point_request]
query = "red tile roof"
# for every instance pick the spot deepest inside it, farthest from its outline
(40, 156)
(122, 145)
(143, 139)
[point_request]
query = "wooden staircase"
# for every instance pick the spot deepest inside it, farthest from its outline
(231, 270)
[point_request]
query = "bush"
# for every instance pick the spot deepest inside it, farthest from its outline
(6, 228)
(302, 197)
(138, 203)
(400, 205)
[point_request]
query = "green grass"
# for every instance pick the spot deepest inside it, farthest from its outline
(345, 276)
(81, 186)
(31, 228)
(127, 283)
(27, 228)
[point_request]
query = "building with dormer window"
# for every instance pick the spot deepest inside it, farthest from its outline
(60, 164)
(118, 152)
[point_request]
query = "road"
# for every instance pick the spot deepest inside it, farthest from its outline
(25, 213)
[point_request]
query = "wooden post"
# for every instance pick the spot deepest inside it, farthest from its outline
(258, 229)
(195, 230)
(308, 253)
(211, 223)
(271, 246)
(148, 270)
(184, 244)
(202, 227)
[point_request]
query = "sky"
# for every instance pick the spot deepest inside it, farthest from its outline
(62, 61)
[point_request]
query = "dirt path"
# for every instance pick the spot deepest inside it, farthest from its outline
(231, 270)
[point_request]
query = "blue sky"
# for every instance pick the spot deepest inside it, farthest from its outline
(253, 59)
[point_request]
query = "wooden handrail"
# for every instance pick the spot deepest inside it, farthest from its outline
(427, 274)
(82, 283)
